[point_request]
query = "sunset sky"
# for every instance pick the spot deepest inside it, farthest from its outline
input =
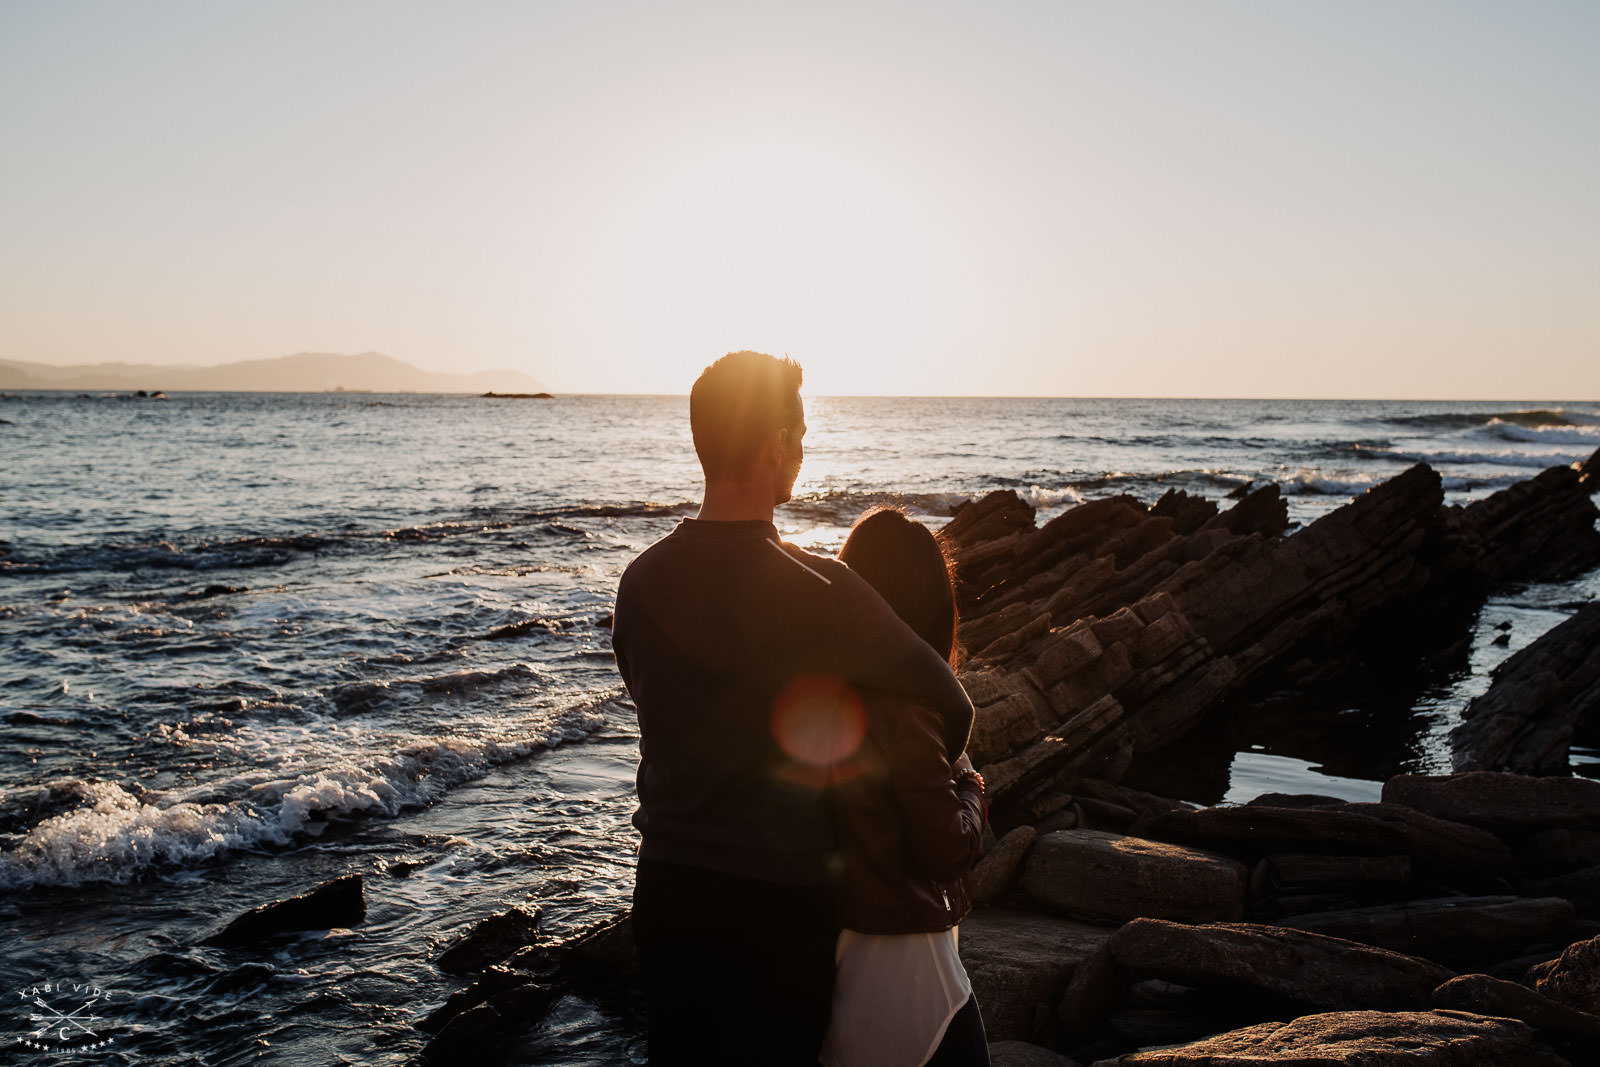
(1367, 199)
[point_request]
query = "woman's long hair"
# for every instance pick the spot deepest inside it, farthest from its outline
(909, 567)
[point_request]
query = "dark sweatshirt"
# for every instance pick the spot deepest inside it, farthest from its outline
(713, 623)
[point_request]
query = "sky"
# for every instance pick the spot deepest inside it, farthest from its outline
(1364, 198)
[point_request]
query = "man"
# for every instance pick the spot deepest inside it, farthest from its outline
(741, 653)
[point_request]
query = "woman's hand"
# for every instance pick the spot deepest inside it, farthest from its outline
(963, 763)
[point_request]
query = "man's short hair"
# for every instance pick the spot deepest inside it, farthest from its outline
(736, 403)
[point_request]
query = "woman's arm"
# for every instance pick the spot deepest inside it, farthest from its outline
(942, 815)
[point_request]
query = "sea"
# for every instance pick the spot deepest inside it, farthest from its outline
(250, 642)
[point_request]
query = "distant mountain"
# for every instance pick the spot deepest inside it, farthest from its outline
(307, 372)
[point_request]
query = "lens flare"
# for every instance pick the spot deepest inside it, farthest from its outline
(819, 720)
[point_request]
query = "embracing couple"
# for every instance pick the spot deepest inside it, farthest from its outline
(807, 813)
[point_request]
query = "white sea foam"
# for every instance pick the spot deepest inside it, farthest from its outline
(1044, 499)
(1587, 435)
(1497, 457)
(115, 836)
(1310, 482)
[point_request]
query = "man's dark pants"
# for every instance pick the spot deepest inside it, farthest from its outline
(736, 970)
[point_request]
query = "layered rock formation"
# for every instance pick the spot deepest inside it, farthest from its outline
(1115, 628)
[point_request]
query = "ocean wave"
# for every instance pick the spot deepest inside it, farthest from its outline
(1543, 435)
(1497, 457)
(118, 833)
(358, 698)
(841, 507)
(236, 553)
(1460, 420)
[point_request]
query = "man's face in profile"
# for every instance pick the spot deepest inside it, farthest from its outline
(794, 454)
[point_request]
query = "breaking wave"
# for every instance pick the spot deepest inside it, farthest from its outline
(118, 833)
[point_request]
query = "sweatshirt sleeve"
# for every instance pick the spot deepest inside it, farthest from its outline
(847, 629)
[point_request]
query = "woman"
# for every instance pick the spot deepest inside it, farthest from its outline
(909, 815)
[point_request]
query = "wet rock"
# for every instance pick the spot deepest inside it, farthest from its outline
(1589, 473)
(1500, 802)
(1460, 932)
(337, 903)
(1111, 877)
(1493, 996)
(1325, 972)
(1020, 962)
(491, 940)
(994, 873)
(602, 957)
(1525, 722)
(1574, 978)
(1362, 1039)
(479, 1031)
(493, 980)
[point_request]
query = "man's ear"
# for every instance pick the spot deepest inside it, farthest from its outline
(777, 447)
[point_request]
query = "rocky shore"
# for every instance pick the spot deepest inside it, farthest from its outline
(1455, 921)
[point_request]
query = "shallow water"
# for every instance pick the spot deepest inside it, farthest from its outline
(254, 641)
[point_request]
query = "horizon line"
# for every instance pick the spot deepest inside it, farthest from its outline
(91, 391)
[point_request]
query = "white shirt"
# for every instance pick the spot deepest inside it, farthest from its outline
(893, 997)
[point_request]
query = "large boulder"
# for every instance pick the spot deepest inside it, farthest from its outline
(1326, 972)
(1020, 964)
(1501, 802)
(1461, 932)
(1362, 1039)
(994, 873)
(1574, 979)
(1112, 877)
(333, 904)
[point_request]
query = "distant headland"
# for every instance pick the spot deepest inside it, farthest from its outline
(305, 372)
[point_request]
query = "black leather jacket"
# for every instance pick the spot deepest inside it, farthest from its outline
(908, 833)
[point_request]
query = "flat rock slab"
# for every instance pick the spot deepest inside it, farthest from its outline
(1501, 801)
(1457, 931)
(1431, 842)
(1362, 1039)
(1254, 830)
(1018, 961)
(1112, 877)
(1326, 972)
(1494, 996)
